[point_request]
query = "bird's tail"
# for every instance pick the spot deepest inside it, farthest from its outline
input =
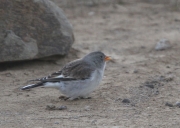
(32, 86)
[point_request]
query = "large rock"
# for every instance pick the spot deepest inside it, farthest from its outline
(31, 29)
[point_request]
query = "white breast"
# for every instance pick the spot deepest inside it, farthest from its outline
(78, 88)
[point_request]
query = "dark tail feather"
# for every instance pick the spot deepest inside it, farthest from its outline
(32, 86)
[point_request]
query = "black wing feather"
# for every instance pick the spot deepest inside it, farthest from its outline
(75, 70)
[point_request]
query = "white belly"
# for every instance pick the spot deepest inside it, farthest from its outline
(82, 87)
(79, 88)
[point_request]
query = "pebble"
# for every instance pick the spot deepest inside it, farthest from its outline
(143, 47)
(93, 122)
(162, 45)
(8, 74)
(115, 127)
(169, 77)
(126, 101)
(150, 85)
(62, 107)
(87, 108)
(135, 71)
(166, 78)
(177, 104)
(127, 72)
(118, 99)
(177, 20)
(167, 66)
(27, 95)
(156, 92)
(53, 107)
(91, 13)
(169, 104)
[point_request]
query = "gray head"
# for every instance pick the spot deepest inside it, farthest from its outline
(98, 58)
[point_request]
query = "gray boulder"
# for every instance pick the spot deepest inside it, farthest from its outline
(31, 29)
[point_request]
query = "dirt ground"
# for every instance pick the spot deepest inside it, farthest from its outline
(140, 87)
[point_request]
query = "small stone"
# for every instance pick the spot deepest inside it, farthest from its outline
(167, 67)
(127, 72)
(126, 101)
(162, 45)
(118, 99)
(177, 20)
(157, 92)
(149, 85)
(105, 17)
(91, 13)
(51, 107)
(93, 122)
(169, 77)
(87, 108)
(19, 93)
(169, 104)
(143, 47)
(115, 127)
(177, 104)
(133, 104)
(26, 74)
(135, 71)
(27, 95)
(8, 74)
(62, 107)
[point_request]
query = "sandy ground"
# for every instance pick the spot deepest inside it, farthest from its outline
(149, 79)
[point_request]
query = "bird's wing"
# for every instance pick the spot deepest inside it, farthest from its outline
(76, 70)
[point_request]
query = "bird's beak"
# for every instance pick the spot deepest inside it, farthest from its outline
(107, 58)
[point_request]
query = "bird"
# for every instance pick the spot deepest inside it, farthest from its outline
(77, 78)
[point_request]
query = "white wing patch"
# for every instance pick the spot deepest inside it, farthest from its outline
(27, 86)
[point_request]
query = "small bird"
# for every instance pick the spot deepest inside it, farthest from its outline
(77, 78)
